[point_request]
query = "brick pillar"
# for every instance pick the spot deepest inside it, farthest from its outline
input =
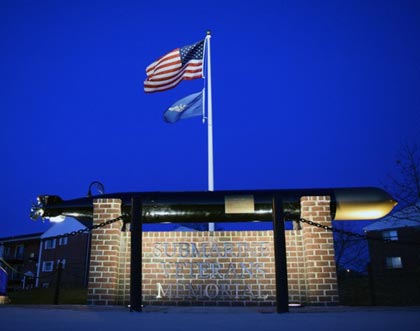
(321, 277)
(123, 295)
(105, 251)
(296, 276)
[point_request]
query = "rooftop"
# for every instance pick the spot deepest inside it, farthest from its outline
(406, 217)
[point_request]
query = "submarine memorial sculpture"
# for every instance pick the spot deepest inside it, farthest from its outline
(220, 206)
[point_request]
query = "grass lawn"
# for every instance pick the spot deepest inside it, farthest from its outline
(45, 296)
(354, 291)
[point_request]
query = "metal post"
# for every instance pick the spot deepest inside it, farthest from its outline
(210, 167)
(58, 281)
(371, 282)
(282, 292)
(136, 255)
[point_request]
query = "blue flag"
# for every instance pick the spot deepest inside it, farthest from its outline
(190, 106)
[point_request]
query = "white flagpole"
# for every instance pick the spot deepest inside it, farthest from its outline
(209, 123)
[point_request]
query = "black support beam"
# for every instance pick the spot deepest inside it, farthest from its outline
(282, 291)
(136, 296)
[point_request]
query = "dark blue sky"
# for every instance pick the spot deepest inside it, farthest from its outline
(305, 94)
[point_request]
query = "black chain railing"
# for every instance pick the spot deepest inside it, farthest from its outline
(354, 234)
(124, 218)
(332, 229)
(88, 229)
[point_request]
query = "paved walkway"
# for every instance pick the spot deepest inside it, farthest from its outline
(117, 318)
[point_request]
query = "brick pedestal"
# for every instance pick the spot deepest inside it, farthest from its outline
(318, 249)
(105, 254)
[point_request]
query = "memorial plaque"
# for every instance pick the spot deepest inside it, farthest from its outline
(239, 204)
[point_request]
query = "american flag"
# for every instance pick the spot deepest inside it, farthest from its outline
(170, 69)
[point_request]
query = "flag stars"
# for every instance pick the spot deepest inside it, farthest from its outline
(192, 52)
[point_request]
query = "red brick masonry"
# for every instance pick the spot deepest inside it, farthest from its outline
(233, 268)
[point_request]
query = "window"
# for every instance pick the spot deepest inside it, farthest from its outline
(47, 266)
(391, 235)
(63, 241)
(45, 285)
(63, 263)
(14, 275)
(49, 244)
(19, 252)
(393, 262)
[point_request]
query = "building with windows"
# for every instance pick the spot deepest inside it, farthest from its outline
(32, 260)
(71, 252)
(394, 251)
(19, 256)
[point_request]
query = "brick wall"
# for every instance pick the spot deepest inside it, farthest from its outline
(318, 248)
(219, 268)
(203, 268)
(105, 254)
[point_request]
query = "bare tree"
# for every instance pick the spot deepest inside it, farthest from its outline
(404, 182)
(350, 251)
(404, 185)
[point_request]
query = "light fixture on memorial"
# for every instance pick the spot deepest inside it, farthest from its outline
(96, 186)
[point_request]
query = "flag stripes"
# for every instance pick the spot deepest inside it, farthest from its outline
(170, 69)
